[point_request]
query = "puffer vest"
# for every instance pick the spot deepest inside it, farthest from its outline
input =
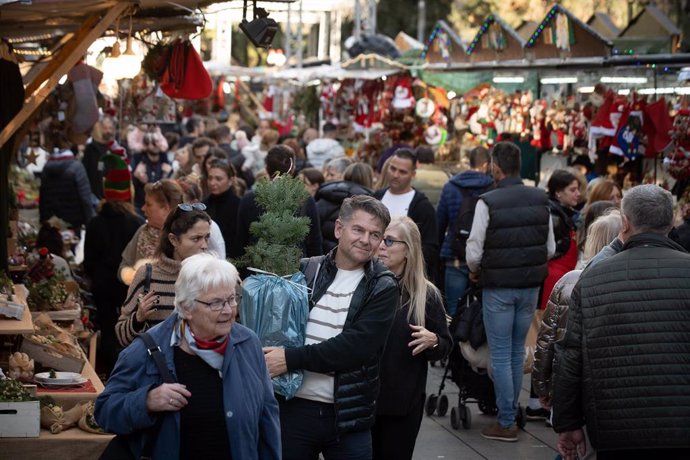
(515, 253)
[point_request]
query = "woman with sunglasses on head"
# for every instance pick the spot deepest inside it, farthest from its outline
(161, 198)
(151, 296)
(419, 335)
(192, 196)
(222, 202)
(221, 404)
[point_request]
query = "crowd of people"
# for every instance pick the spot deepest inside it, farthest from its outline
(393, 245)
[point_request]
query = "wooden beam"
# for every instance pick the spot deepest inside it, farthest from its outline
(42, 89)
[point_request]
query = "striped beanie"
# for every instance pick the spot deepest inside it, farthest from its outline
(117, 179)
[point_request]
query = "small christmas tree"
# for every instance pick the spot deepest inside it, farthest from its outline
(278, 231)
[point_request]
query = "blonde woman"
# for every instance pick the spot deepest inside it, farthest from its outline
(419, 334)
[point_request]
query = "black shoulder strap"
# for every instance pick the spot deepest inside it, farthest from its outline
(155, 351)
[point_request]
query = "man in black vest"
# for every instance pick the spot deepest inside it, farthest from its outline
(623, 366)
(509, 245)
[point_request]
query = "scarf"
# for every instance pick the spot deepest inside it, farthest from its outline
(211, 352)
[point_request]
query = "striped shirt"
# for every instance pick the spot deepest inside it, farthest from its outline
(326, 320)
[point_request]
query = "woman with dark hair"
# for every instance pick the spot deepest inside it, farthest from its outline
(151, 295)
(161, 198)
(213, 154)
(107, 235)
(419, 334)
(312, 178)
(222, 203)
(192, 194)
(564, 193)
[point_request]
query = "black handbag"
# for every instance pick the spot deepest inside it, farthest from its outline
(118, 448)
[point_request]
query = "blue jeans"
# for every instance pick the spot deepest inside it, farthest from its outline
(507, 316)
(456, 282)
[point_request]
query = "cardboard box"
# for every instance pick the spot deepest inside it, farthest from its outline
(20, 419)
(51, 358)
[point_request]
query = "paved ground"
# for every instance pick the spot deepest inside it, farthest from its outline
(438, 440)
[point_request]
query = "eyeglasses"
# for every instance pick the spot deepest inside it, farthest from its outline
(390, 242)
(189, 206)
(218, 305)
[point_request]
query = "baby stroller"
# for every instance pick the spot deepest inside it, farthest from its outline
(474, 383)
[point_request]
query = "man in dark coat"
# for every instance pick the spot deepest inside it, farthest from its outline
(623, 367)
(103, 133)
(65, 190)
(352, 303)
(402, 199)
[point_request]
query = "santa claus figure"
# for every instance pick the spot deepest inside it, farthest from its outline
(403, 99)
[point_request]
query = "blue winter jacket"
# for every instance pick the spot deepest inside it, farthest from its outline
(251, 410)
(451, 201)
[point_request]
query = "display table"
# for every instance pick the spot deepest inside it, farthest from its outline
(67, 399)
(11, 326)
(71, 444)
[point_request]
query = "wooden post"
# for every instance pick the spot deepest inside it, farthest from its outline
(48, 78)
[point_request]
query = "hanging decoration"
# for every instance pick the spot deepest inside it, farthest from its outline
(557, 29)
(678, 161)
(440, 39)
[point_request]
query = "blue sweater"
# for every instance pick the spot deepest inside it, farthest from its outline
(251, 410)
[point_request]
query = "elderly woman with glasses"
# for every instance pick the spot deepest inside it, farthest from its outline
(149, 301)
(221, 404)
(419, 334)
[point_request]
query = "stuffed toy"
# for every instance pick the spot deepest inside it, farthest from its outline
(85, 80)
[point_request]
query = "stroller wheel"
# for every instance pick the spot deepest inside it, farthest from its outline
(442, 405)
(431, 402)
(521, 418)
(467, 419)
(454, 418)
(487, 407)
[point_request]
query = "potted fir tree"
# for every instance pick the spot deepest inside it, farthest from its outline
(274, 301)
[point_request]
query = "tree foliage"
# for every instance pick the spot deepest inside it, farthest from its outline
(278, 231)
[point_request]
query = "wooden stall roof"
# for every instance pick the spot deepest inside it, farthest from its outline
(495, 40)
(581, 40)
(650, 22)
(651, 31)
(444, 46)
(602, 23)
(526, 29)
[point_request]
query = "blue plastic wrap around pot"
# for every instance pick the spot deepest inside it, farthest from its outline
(277, 309)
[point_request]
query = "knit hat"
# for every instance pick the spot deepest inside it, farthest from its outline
(117, 179)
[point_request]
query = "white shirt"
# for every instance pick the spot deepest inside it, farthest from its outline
(475, 243)
(398, 205)
(326, 320)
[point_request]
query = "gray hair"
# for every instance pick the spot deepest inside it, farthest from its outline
(649, 209)
(339, 165)
(201, 273)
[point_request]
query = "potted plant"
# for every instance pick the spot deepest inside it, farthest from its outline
(274, 302)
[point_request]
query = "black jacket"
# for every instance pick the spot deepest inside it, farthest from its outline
(328, 198)
(515, 252)
(223, 210)
(65, 192)
(423, 213)
(403, 376)
(563, 224)
(354, 354)
(92, 157)
(623, 367)
(683, 233)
